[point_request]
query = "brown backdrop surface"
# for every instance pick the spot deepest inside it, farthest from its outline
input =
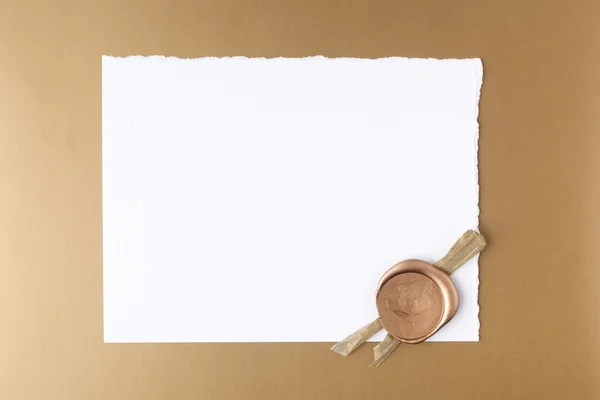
(540, 198)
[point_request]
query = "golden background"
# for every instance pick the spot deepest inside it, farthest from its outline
(540, 198)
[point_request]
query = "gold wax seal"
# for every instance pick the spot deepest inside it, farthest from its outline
(414, 300)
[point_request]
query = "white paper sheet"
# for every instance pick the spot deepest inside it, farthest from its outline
(260, 200)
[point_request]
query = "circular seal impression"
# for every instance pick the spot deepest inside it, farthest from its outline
(414, 300)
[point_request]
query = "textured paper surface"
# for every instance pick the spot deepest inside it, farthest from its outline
(261, 200)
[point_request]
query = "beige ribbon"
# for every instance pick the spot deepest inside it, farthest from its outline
(469, 244)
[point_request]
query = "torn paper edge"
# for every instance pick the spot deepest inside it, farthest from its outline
(307, 58)
(479, 74)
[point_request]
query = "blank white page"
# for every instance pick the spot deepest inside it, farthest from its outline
(260, 200)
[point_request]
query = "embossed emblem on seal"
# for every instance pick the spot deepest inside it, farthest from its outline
(412, 303)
